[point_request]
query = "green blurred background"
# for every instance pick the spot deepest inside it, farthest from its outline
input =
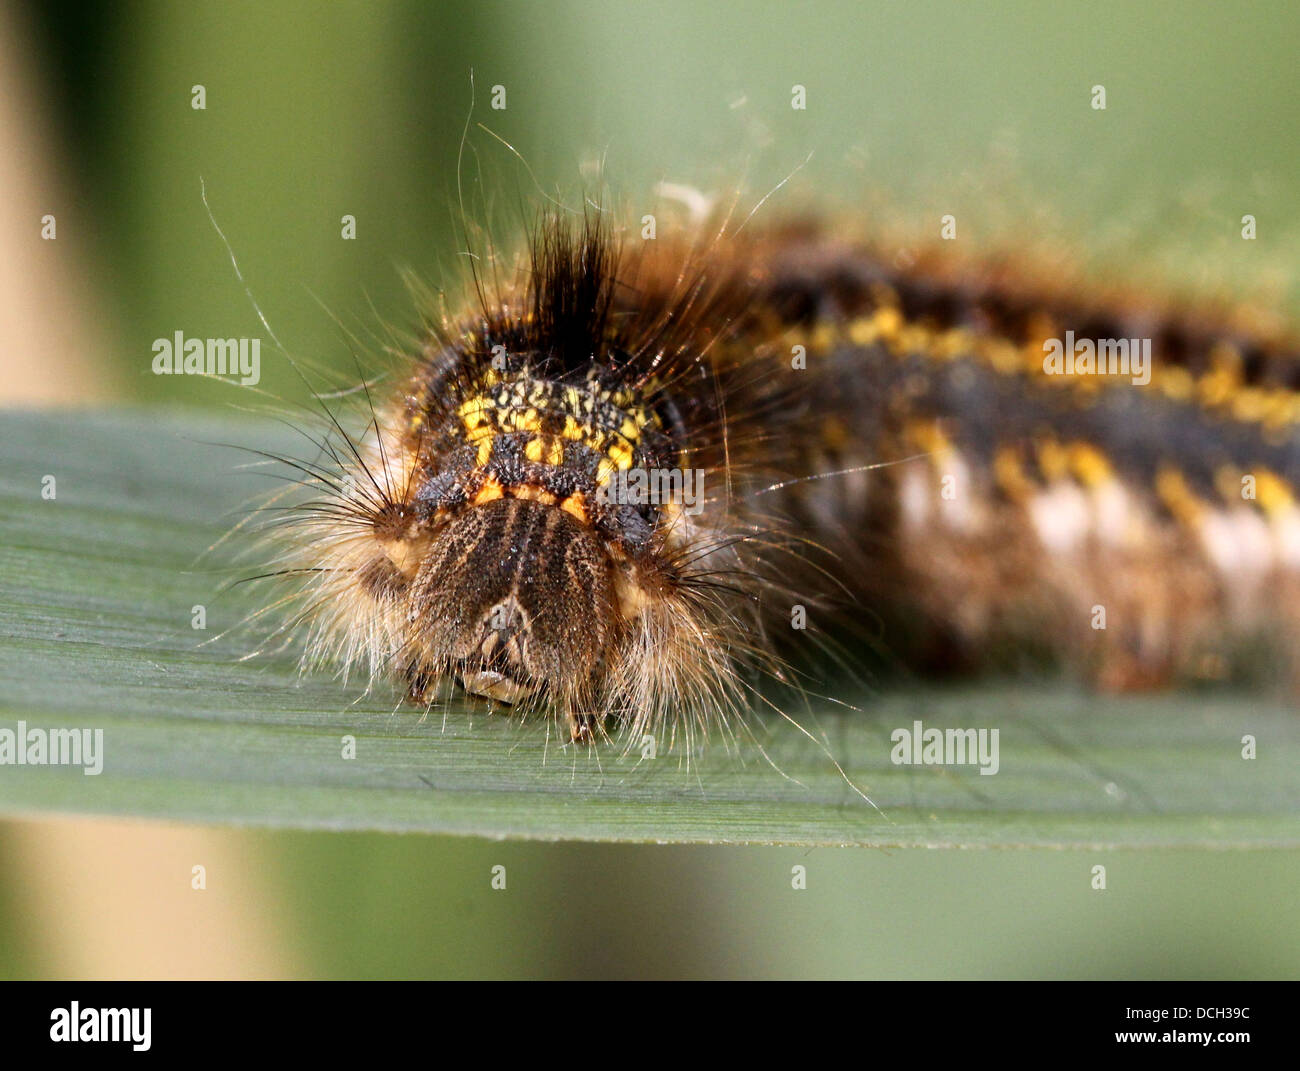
(319, 110)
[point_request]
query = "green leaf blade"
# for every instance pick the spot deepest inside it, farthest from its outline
(96, 590)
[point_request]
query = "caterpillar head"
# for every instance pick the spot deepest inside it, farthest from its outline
(526, 525)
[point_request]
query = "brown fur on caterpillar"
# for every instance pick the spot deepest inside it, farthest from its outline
(484, 532)
(483, 539)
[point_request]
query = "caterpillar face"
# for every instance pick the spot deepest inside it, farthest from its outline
(515, 596)
(529, 520)
(527, 570)
(599, 494)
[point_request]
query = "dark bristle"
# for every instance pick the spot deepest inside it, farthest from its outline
(574, 266)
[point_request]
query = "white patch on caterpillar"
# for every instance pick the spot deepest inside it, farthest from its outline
(1062, 517)
(1286, 536)
(916, 498)
(1116, 519)
(1238, 543)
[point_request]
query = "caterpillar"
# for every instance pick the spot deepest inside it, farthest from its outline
(612, 489)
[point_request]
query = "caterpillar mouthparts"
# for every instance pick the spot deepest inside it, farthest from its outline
(610, 492)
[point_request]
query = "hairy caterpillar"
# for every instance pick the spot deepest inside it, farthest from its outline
(606, 490)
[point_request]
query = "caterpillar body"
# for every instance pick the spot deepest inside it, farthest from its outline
(608, 491)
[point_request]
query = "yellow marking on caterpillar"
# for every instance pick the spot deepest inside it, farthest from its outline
(489, 492)
(930, 438)
(573, 431)
(1053, 460)
(953, 343)
(521, 407)
(1009, 472)
(620, 453)
(915, 338)
(1089, 464)
(1002, 355)
(1178, 497)
(1176, 383)
(823, 338)
(864, 331)
(888, 322)
(545, 449)
(532, 493)
(1281, 407)
(1219, 387)
(1272, 492)
(525, 420)
(474, 411)
(1250, 404)
(576, 506)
